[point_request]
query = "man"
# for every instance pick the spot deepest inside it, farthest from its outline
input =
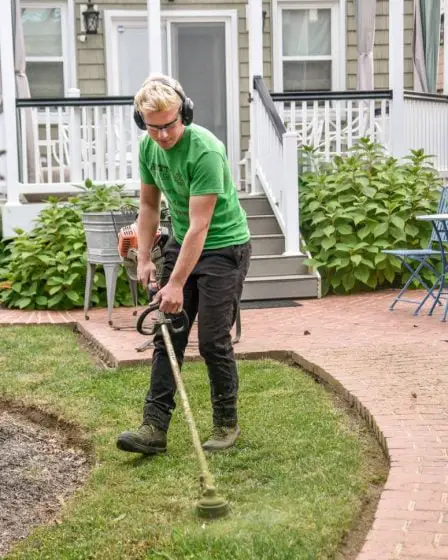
(206, 261)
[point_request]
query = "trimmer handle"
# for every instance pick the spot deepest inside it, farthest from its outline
(162, 320)
(151, 307)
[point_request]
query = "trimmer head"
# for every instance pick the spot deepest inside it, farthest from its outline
(212, 506)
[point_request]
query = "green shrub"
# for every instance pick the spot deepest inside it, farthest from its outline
(46, 268)
(358, 205)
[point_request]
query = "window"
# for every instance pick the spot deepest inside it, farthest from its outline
(306, 46)
(310, 46)
(44, 26)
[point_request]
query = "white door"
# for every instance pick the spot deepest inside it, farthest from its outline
(199, 49)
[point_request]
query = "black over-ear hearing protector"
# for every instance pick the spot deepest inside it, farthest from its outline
(186, 110)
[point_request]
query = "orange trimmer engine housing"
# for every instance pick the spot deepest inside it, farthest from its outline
(127, 239)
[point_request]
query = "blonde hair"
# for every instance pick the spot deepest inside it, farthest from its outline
(155, 95)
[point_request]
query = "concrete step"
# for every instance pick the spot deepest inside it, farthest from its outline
(271, 244)
(277, 265)
(280, 287)
(255, 205)
(263, 224)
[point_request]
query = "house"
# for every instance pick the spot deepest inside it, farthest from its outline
(265, 77)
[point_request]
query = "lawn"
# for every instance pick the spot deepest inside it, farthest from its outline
(297, 480)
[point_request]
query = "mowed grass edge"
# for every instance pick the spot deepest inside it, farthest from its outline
(297, 480)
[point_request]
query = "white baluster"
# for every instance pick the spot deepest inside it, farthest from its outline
(23, 145)
(338, 126)
(60, 145)
(75, 133)
(327, 130)
(349, 124)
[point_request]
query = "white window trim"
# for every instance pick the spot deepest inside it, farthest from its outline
(338, 39)
(68, 57)
(229, 18)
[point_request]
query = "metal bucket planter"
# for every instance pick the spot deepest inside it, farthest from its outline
(101, 230)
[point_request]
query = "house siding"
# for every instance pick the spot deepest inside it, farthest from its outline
(91, 62)
(381, 45)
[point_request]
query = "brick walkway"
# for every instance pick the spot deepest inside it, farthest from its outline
(392, 366)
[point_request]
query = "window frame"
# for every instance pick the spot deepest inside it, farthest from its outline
(68, 57)
(338, 39)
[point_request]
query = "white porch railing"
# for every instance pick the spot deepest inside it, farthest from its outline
(332, 122)
(66, 141)
(275, 161)
(426, 126)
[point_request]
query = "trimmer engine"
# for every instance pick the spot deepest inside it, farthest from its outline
(128, 249)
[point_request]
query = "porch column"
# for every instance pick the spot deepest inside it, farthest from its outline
(9, 103)
(154, 36)
(255, 29)
(444, 7)
(396, 77)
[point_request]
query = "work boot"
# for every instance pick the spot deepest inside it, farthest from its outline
(222, 437)
(148, 439)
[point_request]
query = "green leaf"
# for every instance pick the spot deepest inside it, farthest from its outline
(362, 273)
(380, 229)
(328, 243)
(389, 274)
(348, 281)
(23, 302)
(364, 232)
(74, 296)
(343, 247)
(329, 230)
(380, 257)
(45, 258)
(41, 300)
(345, 229)
(411, 230)
(55, 281)
(56, 299)
(397, 221)
(369, 191)
(358, 218)
(356, 259)
(55, 289)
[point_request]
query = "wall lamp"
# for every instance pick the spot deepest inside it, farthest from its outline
(91, 18)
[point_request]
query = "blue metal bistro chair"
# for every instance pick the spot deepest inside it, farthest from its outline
(422, 258)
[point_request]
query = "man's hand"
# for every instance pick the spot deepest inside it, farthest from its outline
(146, 272)
(171, 298)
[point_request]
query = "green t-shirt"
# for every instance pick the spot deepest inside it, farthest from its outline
(196, 165)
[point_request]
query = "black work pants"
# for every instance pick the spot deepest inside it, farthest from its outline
(212, 292)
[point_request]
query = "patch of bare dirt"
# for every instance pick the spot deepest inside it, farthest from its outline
(39, 468)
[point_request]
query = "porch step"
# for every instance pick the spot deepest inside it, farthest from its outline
(280, 287)
(255, 205)
(263, 224)
(277, 265)
(270, 244)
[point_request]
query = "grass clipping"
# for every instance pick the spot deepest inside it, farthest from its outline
(297, 479)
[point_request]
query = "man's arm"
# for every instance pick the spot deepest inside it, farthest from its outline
(200, 212)
(148, 220)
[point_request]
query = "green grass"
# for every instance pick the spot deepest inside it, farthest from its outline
(296, 480)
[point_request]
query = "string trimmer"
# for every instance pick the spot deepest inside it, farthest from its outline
(210, 505)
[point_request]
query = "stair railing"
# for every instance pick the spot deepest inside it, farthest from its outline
(274, 156)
